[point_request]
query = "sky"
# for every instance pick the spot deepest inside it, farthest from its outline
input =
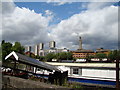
(32, 23)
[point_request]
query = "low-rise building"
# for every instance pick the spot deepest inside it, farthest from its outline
(101, 50)
(82, 53)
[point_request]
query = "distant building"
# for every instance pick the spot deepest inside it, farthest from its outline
(28, 48)
(36, 49)
(52, 44)
(41, 46)
(45, 52)
(28, 53)
(82, 53)
(101, 50)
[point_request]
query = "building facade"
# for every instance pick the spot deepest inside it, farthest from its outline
(82, 53)
(52, 44)
(101, 50)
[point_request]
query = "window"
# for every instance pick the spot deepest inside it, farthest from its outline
(41, 54)
(80, 71)
(75, 71)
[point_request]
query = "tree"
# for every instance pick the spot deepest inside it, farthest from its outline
(49, 57)
(69, 56)
(18, 48)
(37, 56)
(88, 57)
(63, 56)
(101, 56)
(113, 55)
(42, 58)
(6, 49)
(57, 56)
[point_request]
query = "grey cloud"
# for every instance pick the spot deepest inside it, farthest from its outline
(94, 26)
(98, 28)
(8, 7)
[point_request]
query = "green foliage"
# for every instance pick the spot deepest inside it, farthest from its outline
(77, 86)
(49, 57)
(18, 48)
(37, 56)
(113, 55)
(59, 56)
(101, 55)
(42, 58)
(6, 48)
(92, 56)
(69, 55)
(65, 56)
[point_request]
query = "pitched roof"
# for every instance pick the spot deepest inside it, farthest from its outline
(25, 59)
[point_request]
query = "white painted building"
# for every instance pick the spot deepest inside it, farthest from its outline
(98, 71)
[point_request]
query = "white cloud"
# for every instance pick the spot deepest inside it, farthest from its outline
(59, 2)
(97, 27)
(24, 25)
(48, 12)
(49, 15)
(98, 5)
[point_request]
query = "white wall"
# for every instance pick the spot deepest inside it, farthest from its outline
(99, 73)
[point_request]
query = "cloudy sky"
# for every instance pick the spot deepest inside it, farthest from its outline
(34, 22)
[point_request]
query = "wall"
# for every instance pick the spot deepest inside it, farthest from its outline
(91, 72)
(15, 82)
(103, 73)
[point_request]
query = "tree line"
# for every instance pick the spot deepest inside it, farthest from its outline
(58, 56)
(111, 56)
(7, 47)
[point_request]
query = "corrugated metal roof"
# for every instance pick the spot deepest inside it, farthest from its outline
(107, 65)
(33, 62)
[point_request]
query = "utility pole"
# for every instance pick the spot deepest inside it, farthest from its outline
(117, 74)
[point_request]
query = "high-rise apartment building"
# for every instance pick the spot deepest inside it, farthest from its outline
(41, 46)
(36, 49)
(29, 48)
(52, 45)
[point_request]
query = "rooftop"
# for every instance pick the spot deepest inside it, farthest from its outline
(104, 65)
(30, 61)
